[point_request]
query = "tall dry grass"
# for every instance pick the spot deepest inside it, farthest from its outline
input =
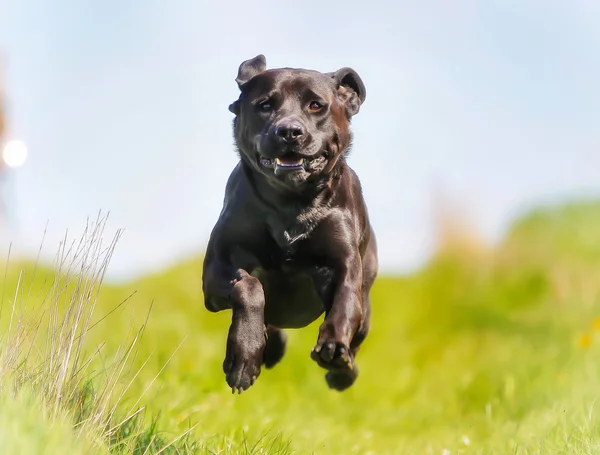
(43, 349)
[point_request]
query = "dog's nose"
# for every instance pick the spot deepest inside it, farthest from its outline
(289, 131)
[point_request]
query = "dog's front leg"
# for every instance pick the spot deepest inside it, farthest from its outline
(342, 320)
(244, 294)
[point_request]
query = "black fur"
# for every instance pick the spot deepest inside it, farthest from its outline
(293, 240)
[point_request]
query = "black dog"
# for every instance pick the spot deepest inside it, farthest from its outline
(293, 239)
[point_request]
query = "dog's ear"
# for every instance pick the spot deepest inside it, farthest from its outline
(351, 89)
(250, 68)
(247, 70)
(234, 107)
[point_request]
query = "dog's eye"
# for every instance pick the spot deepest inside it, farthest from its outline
(265, 106)
(315, 106)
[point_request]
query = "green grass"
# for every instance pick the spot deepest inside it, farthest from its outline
(26, 427)
(478, 353)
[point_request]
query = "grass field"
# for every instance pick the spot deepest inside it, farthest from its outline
(481, 352)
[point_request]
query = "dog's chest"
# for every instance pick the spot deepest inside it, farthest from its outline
(288, 233)
(287, 238)
(295, 295)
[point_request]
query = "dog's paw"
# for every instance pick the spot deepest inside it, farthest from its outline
(333, 355)
(275, 348)
(245, 346)
(337, 358)
(341, 380)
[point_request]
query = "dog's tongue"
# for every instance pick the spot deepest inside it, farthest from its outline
(289, 161)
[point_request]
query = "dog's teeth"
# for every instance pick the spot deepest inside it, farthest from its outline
(295, 163)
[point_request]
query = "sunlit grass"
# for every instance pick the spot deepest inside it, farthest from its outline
(50, 374)
(484, 351)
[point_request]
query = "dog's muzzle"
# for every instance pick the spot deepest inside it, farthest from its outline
(293, 162)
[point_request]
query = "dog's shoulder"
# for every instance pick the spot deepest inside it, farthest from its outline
(238, 212)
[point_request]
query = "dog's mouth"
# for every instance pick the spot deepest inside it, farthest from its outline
(293, 162)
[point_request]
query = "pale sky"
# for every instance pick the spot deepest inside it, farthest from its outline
(123, 105)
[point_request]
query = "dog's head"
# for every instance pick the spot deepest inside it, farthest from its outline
(293, 125)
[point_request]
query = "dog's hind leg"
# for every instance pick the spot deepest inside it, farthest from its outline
(275, 348)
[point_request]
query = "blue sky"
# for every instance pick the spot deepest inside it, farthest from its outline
(123, 106)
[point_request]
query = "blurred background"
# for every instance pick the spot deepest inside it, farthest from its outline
(478, 149)
(488, 107)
